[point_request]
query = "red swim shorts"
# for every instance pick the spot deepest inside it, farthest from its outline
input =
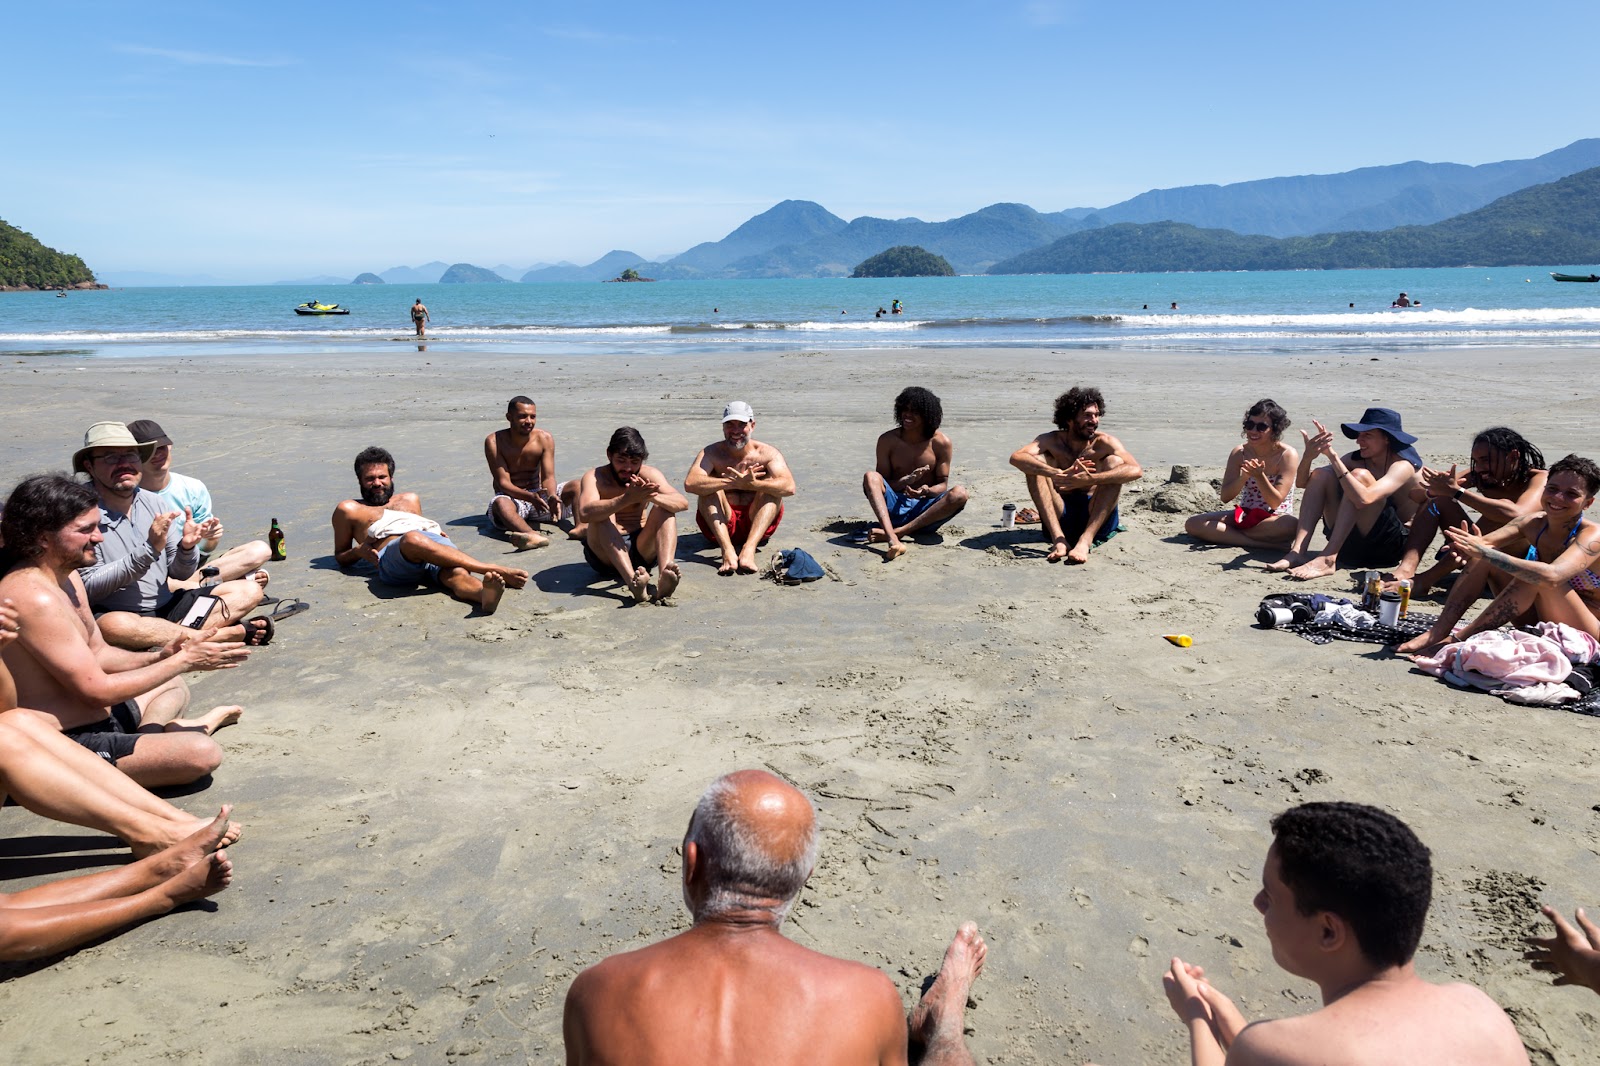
(1246, 518)
(738, 525)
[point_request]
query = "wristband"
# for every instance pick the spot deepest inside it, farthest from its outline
(1457, 496)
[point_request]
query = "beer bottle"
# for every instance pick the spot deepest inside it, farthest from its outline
(275, 542)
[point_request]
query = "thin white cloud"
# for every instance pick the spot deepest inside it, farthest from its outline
(200, 59)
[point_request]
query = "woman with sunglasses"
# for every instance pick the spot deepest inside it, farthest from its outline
(1259, 482)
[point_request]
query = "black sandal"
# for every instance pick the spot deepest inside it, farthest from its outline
(257, 632)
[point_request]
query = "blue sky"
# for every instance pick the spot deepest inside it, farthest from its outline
(254, 142)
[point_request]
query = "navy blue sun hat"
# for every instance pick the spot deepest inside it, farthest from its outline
(1389, 421)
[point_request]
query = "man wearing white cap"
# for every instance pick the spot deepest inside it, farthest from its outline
(144, 544)
(741, 484)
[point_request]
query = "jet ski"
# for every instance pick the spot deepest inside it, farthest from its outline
(312, 307)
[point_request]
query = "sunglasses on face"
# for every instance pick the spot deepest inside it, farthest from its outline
(1257, 427)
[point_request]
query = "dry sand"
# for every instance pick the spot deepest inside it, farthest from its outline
(448, 816)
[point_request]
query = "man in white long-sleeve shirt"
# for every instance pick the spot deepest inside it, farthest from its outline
(143, 546)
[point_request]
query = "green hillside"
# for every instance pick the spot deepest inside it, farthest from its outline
(904, 261)
(1554, 223)
(27, 264)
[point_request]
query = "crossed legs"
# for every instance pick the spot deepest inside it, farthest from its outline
(459, 572)
(889, 534)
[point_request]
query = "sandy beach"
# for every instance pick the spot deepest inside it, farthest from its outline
(448, 816)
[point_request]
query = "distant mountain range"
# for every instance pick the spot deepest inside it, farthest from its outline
(1558, 222)
(798, 238)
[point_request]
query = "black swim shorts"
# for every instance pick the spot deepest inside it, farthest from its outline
(112, 737)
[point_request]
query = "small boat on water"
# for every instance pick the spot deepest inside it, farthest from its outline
(312, 307)
(1575, 277)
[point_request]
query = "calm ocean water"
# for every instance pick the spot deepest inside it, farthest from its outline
(1264, 312)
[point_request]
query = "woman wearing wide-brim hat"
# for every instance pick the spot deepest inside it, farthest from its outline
(1363, 499)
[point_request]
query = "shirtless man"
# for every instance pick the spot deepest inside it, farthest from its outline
(420, 316)
(1505, 481)
(122, 705)
(1547, 564)
(522, 469)
(1345, 891)
(631, 511)
(741, 484)
(179, 492)
(143, 546)
(733, 989)
(1075, 475)
(909, 489)
(1363, 500)
(177, 858)
(386, 529)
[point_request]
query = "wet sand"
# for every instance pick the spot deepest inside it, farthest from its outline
(448, 816)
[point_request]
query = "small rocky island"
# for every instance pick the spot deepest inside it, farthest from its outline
(628, 275)
(904, 261)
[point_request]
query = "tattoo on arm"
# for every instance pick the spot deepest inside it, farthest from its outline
(1501, 561)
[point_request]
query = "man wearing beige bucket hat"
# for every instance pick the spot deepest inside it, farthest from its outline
(144, 545)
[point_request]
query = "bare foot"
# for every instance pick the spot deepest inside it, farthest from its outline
(1425, 644)
(894, 551)
(1288, 562)
(938, 1019)
(729, 565)
(748, 566)
(876, 536)
(260, 576)
(639, 584)
(526, 541)
(511, 577)
(212, 720)
(187, 829)
(1058, 551)
(196, 846)
(670, 576)
(205, 878)
(1079, 553)
(494, 587)
(1321, 566)
(579, 531)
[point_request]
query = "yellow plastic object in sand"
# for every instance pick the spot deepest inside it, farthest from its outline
(1182, 640)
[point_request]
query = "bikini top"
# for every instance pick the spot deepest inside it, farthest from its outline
(1533, 547)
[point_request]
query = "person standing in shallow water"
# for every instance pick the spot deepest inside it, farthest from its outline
(420, 316)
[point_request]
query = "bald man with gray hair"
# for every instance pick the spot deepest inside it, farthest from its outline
(733, 989)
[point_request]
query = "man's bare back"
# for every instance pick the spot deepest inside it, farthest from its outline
(1406, 1020)
(733, 996)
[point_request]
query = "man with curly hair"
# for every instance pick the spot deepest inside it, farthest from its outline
(909, 489)
(1075, 475)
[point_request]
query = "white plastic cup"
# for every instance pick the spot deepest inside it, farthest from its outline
(1008, 516)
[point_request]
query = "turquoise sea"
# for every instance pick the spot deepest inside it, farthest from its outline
(1263, 312)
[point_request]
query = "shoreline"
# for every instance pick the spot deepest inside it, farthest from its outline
(448, 816)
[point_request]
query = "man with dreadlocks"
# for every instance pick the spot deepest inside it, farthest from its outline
(909, 489)
(1505, 482)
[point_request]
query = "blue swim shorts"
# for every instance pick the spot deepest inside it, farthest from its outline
(903, 509)
(395, 569)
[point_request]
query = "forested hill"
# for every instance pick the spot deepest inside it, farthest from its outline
(1555, 223)
(27, 264)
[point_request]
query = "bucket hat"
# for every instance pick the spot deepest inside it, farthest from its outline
(1389, 421)
(109, 435)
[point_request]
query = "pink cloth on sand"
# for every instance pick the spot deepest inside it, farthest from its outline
(1499, 658)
